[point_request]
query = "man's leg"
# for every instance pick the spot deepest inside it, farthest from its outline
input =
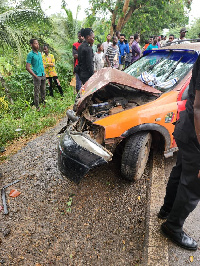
(49, 80)
(187, 197)
(36, 82)
(188, 193)
(171, 188)
(78, 83)
(43, 89)
(120, 66)
(57, 82)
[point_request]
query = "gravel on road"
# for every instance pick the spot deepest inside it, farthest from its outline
(100, 221)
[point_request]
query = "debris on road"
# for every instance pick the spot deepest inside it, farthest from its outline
(3, 195)
(14, 193)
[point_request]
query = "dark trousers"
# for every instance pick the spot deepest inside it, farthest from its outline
(39, 89)
(56, 81)
(183, 188)
(78, 83)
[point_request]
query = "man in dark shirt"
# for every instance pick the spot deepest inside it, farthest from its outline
(85, 55)
(75, 55)
(123, 50)
(183, 188)
(136, 51)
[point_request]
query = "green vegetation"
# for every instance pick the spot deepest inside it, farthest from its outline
(18, 24)
(22, 120)
(145, 17)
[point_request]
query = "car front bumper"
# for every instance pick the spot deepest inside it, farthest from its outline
(78, 153)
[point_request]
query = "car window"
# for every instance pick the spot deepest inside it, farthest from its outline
(163, 69)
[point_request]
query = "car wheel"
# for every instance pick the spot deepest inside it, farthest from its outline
(135, 155)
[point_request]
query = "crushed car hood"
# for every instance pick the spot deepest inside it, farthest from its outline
(109, 75)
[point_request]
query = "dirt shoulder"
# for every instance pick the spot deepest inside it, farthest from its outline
(56, 222)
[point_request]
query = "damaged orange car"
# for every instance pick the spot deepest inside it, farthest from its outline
(127, 112)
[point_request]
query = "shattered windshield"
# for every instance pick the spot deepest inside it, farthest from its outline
(163, 69)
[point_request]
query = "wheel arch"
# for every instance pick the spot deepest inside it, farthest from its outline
(155, 129)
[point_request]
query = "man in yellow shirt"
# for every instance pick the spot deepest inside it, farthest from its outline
(50, 71)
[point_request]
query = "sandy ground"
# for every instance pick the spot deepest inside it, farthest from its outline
(53, 221)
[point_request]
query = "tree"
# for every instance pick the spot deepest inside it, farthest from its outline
(18, 23)
(194, 31)
(138, 13)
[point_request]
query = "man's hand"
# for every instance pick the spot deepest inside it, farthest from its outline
(199, 174)
(28, 68)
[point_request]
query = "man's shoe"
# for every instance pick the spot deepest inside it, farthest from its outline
(162, 214)
(181, 239)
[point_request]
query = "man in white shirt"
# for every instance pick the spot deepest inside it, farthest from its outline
(105, 47)
(182, 36)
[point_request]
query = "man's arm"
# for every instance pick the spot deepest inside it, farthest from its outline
(106, 55)
(89, 61)
(127, 48)
(28, 68)
(197, 117)
(75, 52)
(197, 114)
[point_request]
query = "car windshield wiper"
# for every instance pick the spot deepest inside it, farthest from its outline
(156, 63)
(173, 68)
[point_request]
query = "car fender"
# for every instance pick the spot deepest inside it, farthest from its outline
(150, 127)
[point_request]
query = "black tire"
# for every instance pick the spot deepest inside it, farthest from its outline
(135, 155)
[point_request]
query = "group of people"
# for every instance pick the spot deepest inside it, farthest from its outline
(117, 52)
(43, 68)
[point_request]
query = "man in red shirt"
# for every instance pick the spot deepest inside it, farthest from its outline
(75, 54)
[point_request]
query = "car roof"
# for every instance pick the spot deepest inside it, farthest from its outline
(183, 46)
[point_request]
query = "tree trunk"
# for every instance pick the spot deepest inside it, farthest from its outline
(124, 11)
(114, 15)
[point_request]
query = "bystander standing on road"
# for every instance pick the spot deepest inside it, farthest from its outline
(158, 41)
(75, 55)
(182, 38)
(34, 59)
(50, 71)
(123, 50)
(98, 58)
(183, 188)
(150, 39)
(145, 46)
(105, 47)
(153, 45)
(85, 56)
(162, 41)
(170, 40)
(129, 55)
(112, 54)
(136, 51)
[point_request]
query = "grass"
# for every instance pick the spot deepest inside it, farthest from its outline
(23, 120)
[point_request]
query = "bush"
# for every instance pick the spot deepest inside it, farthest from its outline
(23, 116)
(3, 105)
(20, 85)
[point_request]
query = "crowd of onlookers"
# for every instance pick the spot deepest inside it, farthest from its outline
(117, 52)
